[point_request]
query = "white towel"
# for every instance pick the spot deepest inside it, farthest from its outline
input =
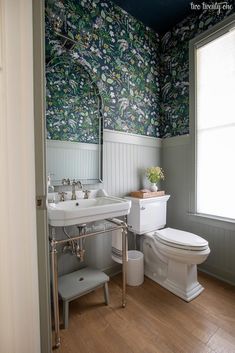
(117, 246)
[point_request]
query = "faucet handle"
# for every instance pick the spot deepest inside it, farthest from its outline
(86, 194)
(65, 181)
(62, 195)
(74, 182)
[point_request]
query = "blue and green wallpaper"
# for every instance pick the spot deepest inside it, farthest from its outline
(122, 57)
(175, 69)
(143, 81)
(72, 103)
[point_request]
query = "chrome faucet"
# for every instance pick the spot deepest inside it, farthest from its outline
(74, 184)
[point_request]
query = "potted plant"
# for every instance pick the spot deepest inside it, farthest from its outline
(154, 175)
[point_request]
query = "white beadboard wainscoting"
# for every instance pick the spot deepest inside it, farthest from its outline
(70, 156)
(126, 157)
(176, 157)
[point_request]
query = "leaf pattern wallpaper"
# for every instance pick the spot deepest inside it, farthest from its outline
(143, 79)
(122, 57)
(175, 69)
(72, 103)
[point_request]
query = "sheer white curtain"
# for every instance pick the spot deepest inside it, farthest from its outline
(216, 127)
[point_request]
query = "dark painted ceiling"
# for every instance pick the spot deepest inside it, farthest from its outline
(161, 15)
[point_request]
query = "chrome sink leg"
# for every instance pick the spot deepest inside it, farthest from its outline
(124, 259)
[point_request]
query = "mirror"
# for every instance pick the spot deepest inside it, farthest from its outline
(74, 123)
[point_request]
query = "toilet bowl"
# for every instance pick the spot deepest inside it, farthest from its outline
(171, 255)
(171, 259)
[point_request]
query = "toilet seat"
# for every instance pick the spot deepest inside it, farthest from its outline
(180, 239)
(171, 256)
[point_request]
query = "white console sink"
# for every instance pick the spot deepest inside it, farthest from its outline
(72, 212)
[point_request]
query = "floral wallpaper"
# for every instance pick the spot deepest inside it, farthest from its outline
(143, 80)
(72, 103)
(122, 58)
(175, 69)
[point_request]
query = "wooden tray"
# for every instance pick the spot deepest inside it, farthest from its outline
(146, 195)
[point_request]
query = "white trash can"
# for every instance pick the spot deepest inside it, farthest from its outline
(135, 268)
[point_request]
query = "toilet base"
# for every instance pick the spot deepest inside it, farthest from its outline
(180, 279)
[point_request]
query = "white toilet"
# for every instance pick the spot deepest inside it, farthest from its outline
(171, 255)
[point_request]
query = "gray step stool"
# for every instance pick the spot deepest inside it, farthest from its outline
(78, 283)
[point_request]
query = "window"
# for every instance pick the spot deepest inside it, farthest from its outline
(214, 79)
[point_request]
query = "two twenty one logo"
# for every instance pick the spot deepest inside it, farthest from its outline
(212, 6)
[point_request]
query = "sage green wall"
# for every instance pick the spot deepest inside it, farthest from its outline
(177, 151)
(176, 161)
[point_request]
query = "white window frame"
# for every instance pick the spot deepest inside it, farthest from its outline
(199, 41)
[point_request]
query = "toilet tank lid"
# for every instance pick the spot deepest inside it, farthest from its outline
(180, 237)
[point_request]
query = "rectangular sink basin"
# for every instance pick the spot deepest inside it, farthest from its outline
(72, 212)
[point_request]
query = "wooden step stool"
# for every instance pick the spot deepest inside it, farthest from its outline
(78, 283)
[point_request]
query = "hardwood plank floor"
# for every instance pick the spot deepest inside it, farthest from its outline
(154, 321)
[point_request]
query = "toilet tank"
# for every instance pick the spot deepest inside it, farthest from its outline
(147, 215)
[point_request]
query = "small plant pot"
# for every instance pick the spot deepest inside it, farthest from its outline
(153, 187)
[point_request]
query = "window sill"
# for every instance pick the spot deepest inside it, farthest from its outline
(218, 222)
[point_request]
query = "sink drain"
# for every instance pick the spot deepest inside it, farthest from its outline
(81, 279)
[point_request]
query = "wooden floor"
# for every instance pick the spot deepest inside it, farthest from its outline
(154, 321)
